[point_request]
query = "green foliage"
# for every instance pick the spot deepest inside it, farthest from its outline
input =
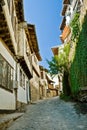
(66, 86)
(65, 97)
(53, 65)
(67, 49)
(60, 62)
(78, 70)
(66, 61)
(75, 25)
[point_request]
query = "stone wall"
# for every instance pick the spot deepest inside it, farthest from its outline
(34, 87)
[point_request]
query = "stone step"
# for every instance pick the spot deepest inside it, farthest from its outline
(7, 119)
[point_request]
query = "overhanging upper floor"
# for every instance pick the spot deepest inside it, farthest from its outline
(5, 29)
(34, 43)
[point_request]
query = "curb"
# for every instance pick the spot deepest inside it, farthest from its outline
(6, 120)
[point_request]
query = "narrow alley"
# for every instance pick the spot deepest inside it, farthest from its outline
(52, 114)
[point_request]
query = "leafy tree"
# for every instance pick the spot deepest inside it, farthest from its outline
(60, 63)
(53, 65)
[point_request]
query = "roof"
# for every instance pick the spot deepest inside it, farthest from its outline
(64, 9)
(65, 33)
(66, 1)
(55, 50)
(63, 23)
(42, 68)
(49, 78)
(34, 42)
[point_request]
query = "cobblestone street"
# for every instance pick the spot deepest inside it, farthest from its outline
(52, 114)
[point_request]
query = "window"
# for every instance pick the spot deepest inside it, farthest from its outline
(41, 74)
(6, 74)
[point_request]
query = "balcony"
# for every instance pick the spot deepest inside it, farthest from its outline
(23, 55)
(6, 29)
(35, 65)
(65, 33)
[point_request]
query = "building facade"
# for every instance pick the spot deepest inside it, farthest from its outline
(73, 31)
(70, 7)
(8, 51)
(35, 80)
(57, 51)
(43, 83)
(18, 55)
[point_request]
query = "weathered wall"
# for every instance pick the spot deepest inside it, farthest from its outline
(22, 91)
(22, 96)
(34, 84)
(78, 69)
(43, 89)
(5, 53)
(7, 100)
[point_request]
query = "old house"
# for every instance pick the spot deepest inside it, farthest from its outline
(35, 81)
(19, 56)
(70, 7)
(57, 50)
(52, 91)
(73, 31)
(24, 64)
(43, 83)
(8, 51)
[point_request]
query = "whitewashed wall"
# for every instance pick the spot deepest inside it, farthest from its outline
(22, 97)
(7, 100)
(56, 80)
(4, 52)
(22, 94)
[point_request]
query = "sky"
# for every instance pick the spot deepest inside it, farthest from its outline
(46, 16)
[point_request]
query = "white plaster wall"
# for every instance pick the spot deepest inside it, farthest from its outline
(4, 52)
(56, 81)
(7, 100)
(27, 90)
(22, 95)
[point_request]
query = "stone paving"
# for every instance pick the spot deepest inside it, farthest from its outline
(52, 114)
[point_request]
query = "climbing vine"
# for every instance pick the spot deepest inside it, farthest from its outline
(78, 70)
(75, 26)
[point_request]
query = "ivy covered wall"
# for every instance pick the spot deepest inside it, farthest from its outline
(78, 69)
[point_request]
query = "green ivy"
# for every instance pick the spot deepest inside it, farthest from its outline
(75, 26)
(78, 70)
